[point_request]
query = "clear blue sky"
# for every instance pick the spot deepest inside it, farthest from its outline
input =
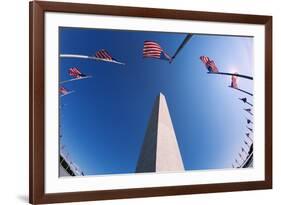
(103, 123)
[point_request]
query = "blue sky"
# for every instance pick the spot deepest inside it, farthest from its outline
(104, 122)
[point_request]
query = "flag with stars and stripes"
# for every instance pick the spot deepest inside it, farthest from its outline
(74, 72)
(210, 64)
(104, 54)
(234, 83)
(64, 91)
(151, 49)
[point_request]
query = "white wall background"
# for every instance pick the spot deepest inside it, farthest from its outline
(14, 100)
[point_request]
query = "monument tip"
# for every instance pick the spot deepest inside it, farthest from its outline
(161, 96)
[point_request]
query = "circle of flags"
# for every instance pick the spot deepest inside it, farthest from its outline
(153, 49)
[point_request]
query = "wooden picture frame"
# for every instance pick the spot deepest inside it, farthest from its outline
(37, 194)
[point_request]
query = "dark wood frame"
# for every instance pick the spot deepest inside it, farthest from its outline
(37, 96)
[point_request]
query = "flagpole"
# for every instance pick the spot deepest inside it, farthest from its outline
(237, 163)
(89, 57)
(245, 101)
(248, 136)
(244, 91)
(250, 129)
(249, 104)
(241, 158)
(74, 79)
(231, 74)
(248, 112)
(67, 93)
(250, 122)
(246, 143)
(186, 39)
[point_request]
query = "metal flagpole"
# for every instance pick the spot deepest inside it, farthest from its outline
(244, 91)
(249, 121)
(67, 93)
(249, 104)
(187, 38)
(249, 111)
(245, 101)
(231, 74)
(90, 57)
(74, 79)
(240, 155)
(250, 129)
(243, 150)
(246, 143)
(237, 163)
(248, 136)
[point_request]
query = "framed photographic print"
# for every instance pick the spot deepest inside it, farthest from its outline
(139, 102)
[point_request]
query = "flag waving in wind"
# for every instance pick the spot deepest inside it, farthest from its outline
(249, 121)
(210, 64)
(234, 83)
(74, 72)
(103, 54)
(151, 49)
(243, 99)
(63, 91)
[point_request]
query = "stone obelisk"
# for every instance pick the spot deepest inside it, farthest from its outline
(160, 151)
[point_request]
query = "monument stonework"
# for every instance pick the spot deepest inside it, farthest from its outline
(160, 151)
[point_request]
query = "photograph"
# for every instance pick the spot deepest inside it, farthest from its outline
(151, 102)
(129, 102)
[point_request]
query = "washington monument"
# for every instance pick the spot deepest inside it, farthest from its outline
(160, 151)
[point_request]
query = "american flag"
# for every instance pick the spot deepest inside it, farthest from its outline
(234, 83)
(250, 129)
(244, 99)
(63, 91)
(210, 64)
(151, 49)
(248, 109)
(74, 72)
(103, 54)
